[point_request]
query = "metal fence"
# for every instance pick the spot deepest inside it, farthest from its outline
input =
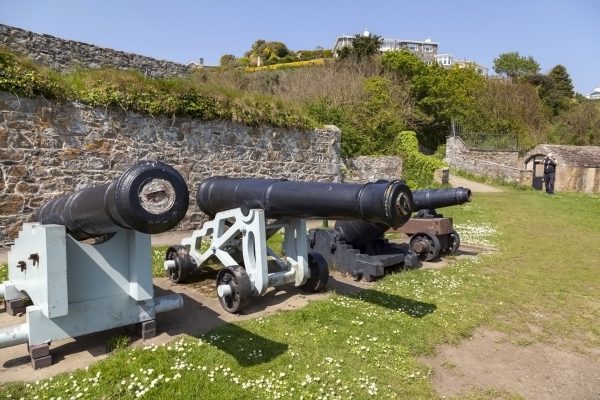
(485, 140)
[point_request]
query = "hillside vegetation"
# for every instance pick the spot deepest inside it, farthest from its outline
(390, 104)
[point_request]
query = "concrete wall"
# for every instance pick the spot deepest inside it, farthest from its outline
(64, 55)
(48, 149)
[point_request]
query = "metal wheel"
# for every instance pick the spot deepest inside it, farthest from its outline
(454, 242)
(426, 246)
(184, 265)
(234, 288)
(319, 273)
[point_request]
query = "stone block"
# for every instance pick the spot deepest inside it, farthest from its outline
(42, 362)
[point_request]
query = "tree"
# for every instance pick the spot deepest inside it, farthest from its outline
(363, 46)
(515, 66)
(269, 52)
(403, 63)
(555, 89)
(228, 61)
(579, 125)
(562, 81)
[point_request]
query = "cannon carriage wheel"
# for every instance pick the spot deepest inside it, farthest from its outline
(184, 264)
(453, 243)
(319, 273)
(234, 288)
(426, 246)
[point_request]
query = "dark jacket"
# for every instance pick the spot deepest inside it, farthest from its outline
(549, 166)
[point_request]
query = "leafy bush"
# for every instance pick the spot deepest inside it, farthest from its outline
(20, 76)
(418, 168)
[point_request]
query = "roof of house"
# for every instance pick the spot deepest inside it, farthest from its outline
(579, 156)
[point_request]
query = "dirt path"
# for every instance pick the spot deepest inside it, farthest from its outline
(476, 187)
(489, 361)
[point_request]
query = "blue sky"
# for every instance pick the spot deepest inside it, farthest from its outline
(552, 31)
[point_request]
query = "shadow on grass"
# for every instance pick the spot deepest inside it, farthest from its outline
(246, 347)
(413, 308)
(196, 319)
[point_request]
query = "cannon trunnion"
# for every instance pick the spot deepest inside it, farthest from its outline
(79, 287)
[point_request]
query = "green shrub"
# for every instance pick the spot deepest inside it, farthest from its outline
(418, 168)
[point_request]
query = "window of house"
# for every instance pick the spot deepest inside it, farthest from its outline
(428, 48)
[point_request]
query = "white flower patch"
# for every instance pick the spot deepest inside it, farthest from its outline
(481, 234)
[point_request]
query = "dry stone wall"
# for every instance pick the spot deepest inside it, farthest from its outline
(48, 149)
(64, 55)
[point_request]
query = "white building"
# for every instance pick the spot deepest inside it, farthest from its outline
(448, 61)
(425, 49)
(595, 95)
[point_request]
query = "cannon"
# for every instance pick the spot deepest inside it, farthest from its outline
(432, 235)
(358, 248)
(244, 213)
(85, 265)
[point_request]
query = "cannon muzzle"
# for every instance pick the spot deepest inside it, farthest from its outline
(150, 197)
(385, 202)
(430, 199)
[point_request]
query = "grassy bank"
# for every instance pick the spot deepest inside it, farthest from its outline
(544, 274)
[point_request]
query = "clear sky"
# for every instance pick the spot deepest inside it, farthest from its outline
(552, 31)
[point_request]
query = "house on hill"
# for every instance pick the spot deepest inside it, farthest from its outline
(577, 167)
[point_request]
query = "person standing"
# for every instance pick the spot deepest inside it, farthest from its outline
(549, 172)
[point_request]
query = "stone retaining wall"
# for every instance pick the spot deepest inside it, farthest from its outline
(372, 168)
(48, 149)
(64, 55)
(499, 164)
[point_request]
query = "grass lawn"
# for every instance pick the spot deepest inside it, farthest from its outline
(545, 273)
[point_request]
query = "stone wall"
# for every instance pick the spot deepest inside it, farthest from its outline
(501, 164)
(48, 149)
(64, 55)
(372, 168)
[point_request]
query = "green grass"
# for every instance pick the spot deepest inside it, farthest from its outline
(544, 274)
(3, 272)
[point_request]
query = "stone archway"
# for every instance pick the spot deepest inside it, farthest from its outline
(534, 163)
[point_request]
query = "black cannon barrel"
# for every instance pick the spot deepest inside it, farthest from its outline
(388, 202)
(149, 197)
(429, 199)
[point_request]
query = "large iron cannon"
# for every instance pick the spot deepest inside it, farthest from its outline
(432, 235)
(78, 287)
(150, 197)
(240, 210)
(386, 202)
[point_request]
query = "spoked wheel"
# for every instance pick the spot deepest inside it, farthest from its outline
(319, 273)
(426, 246)
(234, 288)
(183, 265)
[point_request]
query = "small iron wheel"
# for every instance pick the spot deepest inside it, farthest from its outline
(426, 246)
(454, 242)
(234, 288)
(319, 273)
(184, 264)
